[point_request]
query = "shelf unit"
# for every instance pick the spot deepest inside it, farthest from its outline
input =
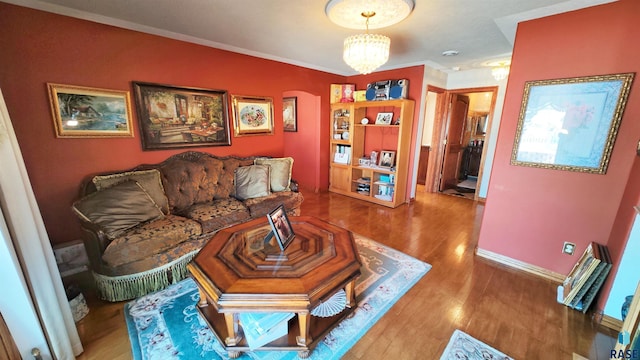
(348, 144)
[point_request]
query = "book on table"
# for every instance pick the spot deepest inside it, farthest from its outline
(262, 328)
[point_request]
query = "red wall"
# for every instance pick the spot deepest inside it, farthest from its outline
(530, 212)
(304, 145)
(39, 47)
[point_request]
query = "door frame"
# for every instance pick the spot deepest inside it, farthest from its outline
(440, 129)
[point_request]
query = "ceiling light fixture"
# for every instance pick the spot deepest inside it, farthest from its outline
(501, 71)
(367, 52)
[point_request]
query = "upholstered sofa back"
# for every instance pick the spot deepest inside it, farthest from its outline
(190, 178)
(194, 178)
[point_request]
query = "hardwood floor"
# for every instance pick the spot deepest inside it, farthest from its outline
(510, 310)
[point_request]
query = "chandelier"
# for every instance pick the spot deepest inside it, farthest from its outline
(367, 52)
(500, 72)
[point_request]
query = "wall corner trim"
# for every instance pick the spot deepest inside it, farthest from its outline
(520, 265)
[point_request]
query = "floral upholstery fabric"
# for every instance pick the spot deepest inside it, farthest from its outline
(201, 195)
(149, 239)
(158, 259)
(218, 214)
(263, 205)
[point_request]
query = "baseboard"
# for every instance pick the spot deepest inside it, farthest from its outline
(611, 323)
(520, 265)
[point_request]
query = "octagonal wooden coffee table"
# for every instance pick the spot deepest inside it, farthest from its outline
(236, 272)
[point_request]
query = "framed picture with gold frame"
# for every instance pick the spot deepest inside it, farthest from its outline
(252, 115)
(290, 114)
(570, 124)
(87, 112)
(173, 117)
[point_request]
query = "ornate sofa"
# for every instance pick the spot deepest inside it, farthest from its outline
(142, 226)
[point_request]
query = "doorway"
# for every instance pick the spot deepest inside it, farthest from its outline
(458, 138)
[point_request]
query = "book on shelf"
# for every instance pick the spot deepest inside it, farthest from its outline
(262, 328)
(342, 155)
(586, 278)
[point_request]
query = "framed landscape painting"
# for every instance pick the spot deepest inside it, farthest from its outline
(180, 117)
(80, 111)
(570, 124)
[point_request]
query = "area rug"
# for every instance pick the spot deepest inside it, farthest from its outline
(463, 346)
(167, 325)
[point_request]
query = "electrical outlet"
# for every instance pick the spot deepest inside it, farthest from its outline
(568, 248)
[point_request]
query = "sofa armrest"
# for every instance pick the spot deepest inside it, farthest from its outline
(95, 242)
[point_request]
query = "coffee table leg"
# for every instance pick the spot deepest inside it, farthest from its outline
(203, 298)
(303, 322)
(350, 291)
(232, 329)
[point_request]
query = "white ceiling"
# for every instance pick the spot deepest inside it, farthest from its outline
(298, 31)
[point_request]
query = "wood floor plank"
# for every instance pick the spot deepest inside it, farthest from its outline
(512, 311)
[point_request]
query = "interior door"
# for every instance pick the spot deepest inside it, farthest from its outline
(454, 147)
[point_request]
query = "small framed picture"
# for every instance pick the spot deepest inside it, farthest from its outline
(281, 227)
(289, 114)
(384, 118)
(387, 158)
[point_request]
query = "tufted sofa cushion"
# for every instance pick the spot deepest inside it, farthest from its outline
(263, 205)
(218, 214)
(149, 239)
(190, 182)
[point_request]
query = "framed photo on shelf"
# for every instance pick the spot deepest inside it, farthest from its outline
(387, 158)
(289, 114)
(252, 115)
(384, 118)
(85, 112)
(570, 124)
(281, 227)
(179, 117)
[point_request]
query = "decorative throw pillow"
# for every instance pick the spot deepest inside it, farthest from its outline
(280, 172)
(252, 181)
(148, 179)
(118, 208)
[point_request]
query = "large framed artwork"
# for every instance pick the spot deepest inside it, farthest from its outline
(252, 115)
(180, 117)
(570, 124)
(290, 114)
(87, 112)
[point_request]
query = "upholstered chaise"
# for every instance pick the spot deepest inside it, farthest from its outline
(144, 225)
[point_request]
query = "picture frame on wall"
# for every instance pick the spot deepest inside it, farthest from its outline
(180, 117)
(570, 124)
(252, 115)
(384, 118)
(290, 114)
(87, 112)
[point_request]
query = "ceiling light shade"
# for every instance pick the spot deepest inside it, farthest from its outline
(366, 52)
(500, 72)
(347, 13)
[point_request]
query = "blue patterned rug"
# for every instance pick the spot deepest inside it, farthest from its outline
(464, 347)
(167, 325)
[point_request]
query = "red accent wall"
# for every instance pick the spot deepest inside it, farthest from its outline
(305, 145)
(40, 47)
(530, 212)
